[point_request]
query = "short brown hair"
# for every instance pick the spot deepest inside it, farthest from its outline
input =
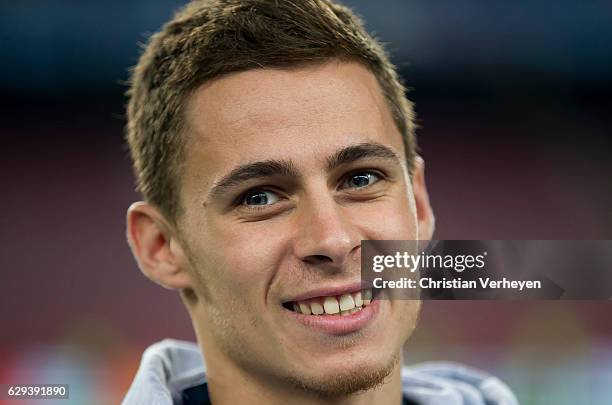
(211, 38)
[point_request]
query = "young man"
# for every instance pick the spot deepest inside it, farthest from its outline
(269, 138)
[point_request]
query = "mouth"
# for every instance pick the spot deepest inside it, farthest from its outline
(342, 314)
(335, 305)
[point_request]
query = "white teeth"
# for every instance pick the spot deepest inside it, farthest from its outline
(304, 308)
(346, 302)
(344, 305)
(331, 305)
(357, 299)
(367, 296)
(316, 308)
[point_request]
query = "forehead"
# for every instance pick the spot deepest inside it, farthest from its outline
(298, 114)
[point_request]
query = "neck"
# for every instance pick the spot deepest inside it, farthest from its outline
(230, 384)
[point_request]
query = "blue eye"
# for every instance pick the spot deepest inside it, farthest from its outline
(260, 197)
(361, 180)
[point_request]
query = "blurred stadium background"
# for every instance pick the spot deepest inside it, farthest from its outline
(514, 102)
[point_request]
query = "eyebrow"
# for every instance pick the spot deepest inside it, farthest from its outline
(269, 168)
(361, 151)
(251, 171)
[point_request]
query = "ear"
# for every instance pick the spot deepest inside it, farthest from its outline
(425, 216)
(155, 247)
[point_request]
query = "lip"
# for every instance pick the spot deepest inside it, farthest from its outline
(338, 324)
(330, 291)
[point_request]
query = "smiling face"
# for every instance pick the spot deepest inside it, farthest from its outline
(286, 172)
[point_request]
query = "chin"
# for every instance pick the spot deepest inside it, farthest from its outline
(343, 381)
(346, 373)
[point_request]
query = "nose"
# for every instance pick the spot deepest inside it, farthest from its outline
(325, 233)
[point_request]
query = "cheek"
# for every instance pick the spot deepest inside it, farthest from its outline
(246, 258)
(391, 219)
